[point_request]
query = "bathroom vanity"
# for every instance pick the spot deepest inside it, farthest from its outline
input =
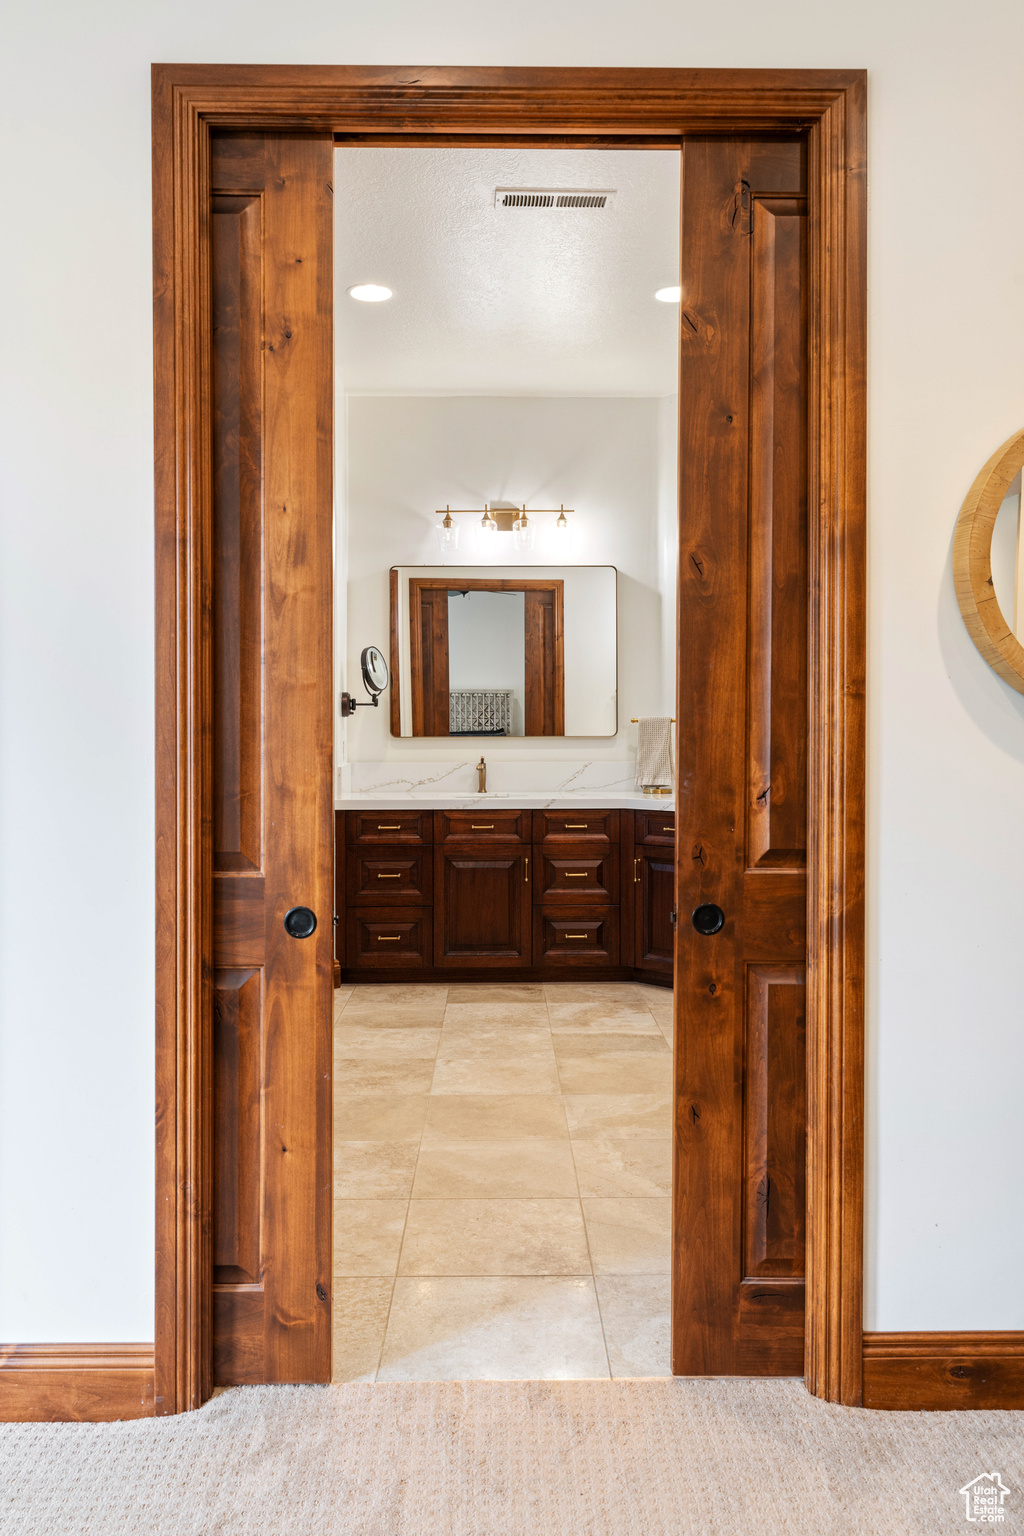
(485, 888)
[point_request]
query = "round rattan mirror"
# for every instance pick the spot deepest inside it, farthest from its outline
(972, 564)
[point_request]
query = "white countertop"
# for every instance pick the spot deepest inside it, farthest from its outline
(446, 800)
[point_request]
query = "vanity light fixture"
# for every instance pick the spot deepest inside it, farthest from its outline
(447, 534)
(509, 520)
(669, 295)
(370, 293)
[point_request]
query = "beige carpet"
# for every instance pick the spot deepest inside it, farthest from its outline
(626, 1458)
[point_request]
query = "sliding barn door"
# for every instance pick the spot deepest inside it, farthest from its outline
(742, 812)
(271, 758)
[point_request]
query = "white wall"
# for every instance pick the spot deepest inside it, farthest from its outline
(946, 750)
(407, 455)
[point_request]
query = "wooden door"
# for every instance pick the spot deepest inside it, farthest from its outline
(271, 758)
(544, 702)
(482, 906)
(742, 802)
(428, 658)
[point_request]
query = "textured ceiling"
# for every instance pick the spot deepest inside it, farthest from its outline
(495, 301)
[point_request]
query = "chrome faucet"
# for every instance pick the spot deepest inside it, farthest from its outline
(481, 775)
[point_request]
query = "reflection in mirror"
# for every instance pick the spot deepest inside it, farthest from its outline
(504, 650)
(1008, 559)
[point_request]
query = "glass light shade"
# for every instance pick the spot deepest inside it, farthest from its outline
(487, 523)
(563, 531)
(447, 535)
(524, 533)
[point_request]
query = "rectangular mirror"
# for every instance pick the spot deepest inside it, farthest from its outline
(486, 650)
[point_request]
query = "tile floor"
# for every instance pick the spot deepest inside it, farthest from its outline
(502, 1172)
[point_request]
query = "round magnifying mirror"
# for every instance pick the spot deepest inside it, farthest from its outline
(375, 670)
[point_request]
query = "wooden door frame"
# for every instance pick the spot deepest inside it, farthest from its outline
(418, 584)
(652, 108)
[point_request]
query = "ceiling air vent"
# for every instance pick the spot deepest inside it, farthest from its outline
(551, 197)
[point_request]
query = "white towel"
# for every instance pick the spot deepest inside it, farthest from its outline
(654, 750)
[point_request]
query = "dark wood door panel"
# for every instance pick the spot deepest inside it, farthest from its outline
(484, 907)
(387, 938)
(577, 873)
(372, 827)
(777, 677)
(237, 1126)
(392, 875)
(654, 899)
(239, 920)
(742, 711)
(775, 1122)
(486, 823)
(587, 937)
(271, 740)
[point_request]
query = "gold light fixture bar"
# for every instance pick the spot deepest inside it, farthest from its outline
(504, 517)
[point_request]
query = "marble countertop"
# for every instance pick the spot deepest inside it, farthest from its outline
(426, 799)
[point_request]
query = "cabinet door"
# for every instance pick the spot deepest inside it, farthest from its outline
(654, 873)
(482, 906)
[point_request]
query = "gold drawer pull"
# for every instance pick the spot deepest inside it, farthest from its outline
(389, 877)
(389, 938)
(576, 874)
(575, 935)
(526, 871)
(396, 828)
(576, 826)
(473, 827)
(636, 871)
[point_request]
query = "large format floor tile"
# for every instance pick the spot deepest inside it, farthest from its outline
(360, 1318)
(500, 1170)
(629, 1235)
(636, 1313)
(355, 1041)
(380, 1117)
(497, 1329)
(366, 1170)
(615, 1074)
(368, 1236)
(624, 1165)
(495, 1074)
(495, 1117)
(598, 1115)
(494, 1237)
(353, 1077)
(375, 1014)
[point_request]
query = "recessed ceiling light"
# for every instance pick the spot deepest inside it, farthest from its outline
(666, 295)
(369, 293)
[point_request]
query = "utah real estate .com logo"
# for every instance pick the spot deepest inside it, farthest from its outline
(984, 1499)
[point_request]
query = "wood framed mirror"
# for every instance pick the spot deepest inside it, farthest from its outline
(504, 651)
(988, 572)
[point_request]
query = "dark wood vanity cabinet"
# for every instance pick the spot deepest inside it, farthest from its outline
(531, 893)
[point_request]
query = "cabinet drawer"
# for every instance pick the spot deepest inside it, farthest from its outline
(576, 825)
(388, 827)
(585, 938)
(390, 874)
(577, 872)
(655, 826)
(380, 939)
(484, 825)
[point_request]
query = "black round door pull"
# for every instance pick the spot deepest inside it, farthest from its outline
(708, 919)
(300, 922)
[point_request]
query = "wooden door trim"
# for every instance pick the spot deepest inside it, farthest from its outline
(492, 105)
